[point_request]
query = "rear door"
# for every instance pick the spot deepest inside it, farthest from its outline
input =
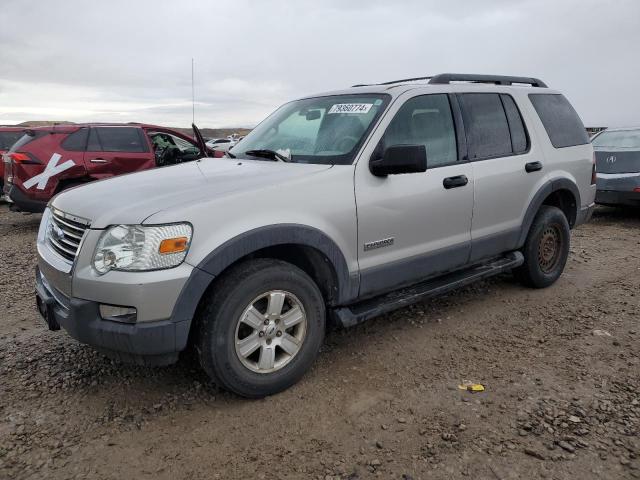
(114, 150)
(507, 171)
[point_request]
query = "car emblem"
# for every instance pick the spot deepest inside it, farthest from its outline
(611, 159)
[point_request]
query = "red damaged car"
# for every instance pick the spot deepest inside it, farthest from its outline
(8, 136)
(47, 160)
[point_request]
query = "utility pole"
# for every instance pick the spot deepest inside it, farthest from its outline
(193, 96)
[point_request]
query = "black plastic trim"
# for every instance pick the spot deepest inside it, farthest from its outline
(390, 276)
(281, 234)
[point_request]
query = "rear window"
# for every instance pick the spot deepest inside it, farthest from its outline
(618, 139)
(28, 137)
(7, 139)
(560, 120)
(117, 139)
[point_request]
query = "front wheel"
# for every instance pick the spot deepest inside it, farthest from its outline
(546, 248)
(262, 327)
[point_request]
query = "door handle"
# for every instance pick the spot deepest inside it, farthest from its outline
(98, 160)
(533, 167)
(454, 182)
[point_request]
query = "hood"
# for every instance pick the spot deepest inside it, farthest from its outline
(130, 199)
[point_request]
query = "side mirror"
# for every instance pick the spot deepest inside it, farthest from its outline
(398, 159)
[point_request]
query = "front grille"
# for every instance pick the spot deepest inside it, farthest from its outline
(65, 233)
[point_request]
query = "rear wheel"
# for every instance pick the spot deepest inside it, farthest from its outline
(546, 248)
(262, 327)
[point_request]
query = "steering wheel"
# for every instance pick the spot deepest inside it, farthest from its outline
(347, 141)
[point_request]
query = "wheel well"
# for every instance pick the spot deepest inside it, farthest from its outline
(311, 261)
(565, 201)
(308, 259)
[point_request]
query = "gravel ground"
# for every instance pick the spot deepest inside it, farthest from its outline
(561, 369)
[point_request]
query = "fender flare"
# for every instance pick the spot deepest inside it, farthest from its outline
(547, 189)
(251, 241)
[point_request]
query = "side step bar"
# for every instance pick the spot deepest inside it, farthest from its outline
(367, 309)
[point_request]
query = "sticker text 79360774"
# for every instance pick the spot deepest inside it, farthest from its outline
(351, 108)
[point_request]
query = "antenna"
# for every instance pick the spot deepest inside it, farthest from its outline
(193, 96)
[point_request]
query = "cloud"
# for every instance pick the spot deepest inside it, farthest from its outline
(131, 61)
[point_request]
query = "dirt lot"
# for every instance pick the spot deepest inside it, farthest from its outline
(561, 369)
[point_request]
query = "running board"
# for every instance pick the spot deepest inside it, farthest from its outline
(367, 309)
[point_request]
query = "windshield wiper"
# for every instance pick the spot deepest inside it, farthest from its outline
(266, 153)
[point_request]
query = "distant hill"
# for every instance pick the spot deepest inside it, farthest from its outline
(206, 132)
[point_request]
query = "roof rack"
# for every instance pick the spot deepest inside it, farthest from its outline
(447, 78)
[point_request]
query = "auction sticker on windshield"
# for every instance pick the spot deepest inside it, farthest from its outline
(351, 108)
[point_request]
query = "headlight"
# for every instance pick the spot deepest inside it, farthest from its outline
(135, 248)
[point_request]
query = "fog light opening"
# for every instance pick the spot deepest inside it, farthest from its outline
(116, 313)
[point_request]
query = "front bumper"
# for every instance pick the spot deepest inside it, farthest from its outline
(147, 343)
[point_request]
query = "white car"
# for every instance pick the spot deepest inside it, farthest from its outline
(220, 144)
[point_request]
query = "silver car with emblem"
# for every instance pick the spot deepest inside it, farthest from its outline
(617, 153)
(335, 209)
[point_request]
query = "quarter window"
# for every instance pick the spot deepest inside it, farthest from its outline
(560, 120)
(425, 120)
(486, 125)
(77, 141)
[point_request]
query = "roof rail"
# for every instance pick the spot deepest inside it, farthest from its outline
(445, 78)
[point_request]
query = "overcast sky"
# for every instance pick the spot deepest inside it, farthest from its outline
(116, 60)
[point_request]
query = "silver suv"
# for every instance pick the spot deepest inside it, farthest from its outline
(336, 208)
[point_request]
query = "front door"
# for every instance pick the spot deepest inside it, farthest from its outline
(116, 150)
(414, 226)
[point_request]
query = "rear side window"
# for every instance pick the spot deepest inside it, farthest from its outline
(116, 139)
(77, 141)
(560, 120)
(486, 125)
(7, 139)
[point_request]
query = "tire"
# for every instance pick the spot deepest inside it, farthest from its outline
(546, 249)
(234, 317)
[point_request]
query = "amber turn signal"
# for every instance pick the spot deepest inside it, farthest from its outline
(173, 245)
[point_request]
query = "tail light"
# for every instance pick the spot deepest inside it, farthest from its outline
(637, 189)
(593, 170)
(21, 157)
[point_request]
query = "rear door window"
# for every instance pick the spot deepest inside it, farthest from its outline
(117, 139)
(486, 125)
(560, 120)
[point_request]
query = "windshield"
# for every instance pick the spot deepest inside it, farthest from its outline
(618, 139)
(324, 130)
